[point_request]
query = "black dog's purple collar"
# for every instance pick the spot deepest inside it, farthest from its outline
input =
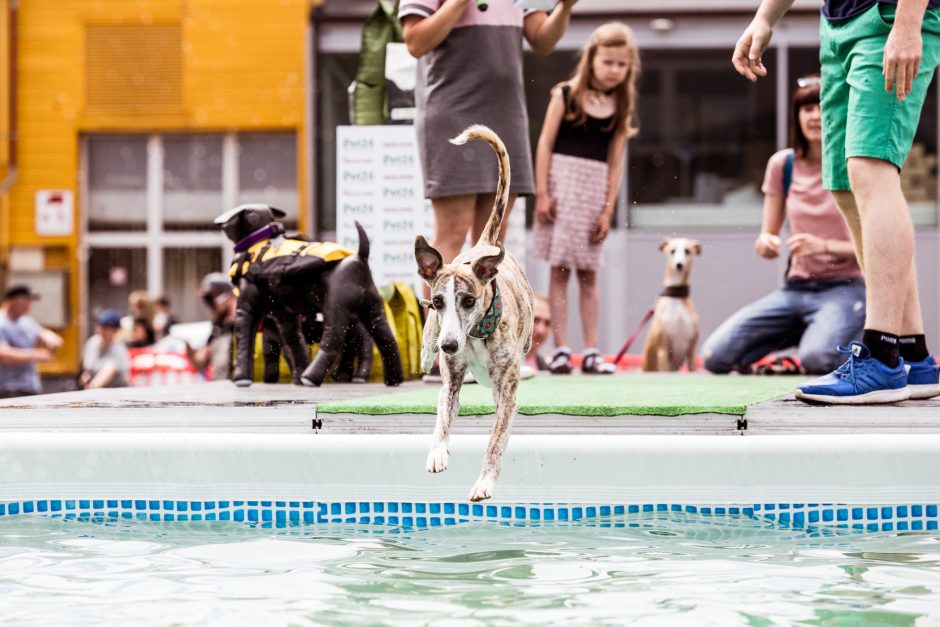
(272, 229)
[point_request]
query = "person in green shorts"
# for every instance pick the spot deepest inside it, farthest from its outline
(877, 60)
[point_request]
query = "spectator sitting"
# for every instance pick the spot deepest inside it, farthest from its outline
(105, 362)
(822, 304)
(139, 305)
(218, 295)
(163, 317)
(142, 334)
(23, 344)
(540, 330)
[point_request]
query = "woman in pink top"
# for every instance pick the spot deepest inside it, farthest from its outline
(822, 303)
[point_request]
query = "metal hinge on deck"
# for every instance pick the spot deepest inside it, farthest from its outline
(316, 424)
(742, 424)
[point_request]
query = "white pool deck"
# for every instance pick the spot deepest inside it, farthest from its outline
(261, 409)
(215, 441)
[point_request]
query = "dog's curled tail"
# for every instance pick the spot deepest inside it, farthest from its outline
(478, 131)
(363, 242)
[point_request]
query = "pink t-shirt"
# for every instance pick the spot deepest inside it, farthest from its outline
(810, 209)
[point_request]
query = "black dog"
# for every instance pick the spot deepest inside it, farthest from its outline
(291, 280)
(355, 362)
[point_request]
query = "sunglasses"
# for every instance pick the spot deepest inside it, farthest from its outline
(808, 81)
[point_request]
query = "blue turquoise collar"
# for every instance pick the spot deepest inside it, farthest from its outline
(490, 320)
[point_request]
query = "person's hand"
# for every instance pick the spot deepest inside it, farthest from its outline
(52, 340)
(544, 208)
(43, 355)
(601, 229)
(902, 58)
(803, 244)
(568, 4)
(767, 245)
(749, 49)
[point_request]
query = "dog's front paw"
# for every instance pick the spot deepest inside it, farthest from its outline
(428, 356)
(483, 488)
(437, 458)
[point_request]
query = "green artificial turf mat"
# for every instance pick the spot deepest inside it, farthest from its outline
(636, 394)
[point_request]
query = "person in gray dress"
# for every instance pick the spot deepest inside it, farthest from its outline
(470, 72)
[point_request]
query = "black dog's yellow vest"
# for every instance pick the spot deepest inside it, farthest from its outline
(265, 251)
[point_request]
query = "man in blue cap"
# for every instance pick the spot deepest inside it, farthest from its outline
(105, 360)
(23, 344)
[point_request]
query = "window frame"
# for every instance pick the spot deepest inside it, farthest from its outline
(156, 238)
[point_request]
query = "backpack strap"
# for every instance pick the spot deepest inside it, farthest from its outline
(787, 179)
(787, 174)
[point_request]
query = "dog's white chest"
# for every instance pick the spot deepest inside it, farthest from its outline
(478, 358)
(678, 323)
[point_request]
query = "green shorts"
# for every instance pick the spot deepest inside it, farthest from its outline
(860, 118)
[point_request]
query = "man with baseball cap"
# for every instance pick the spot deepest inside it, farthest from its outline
(218, 294)
(105, 360)
(23, 344)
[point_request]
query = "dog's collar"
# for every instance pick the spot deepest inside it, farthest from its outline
(675, 291)
(272, 229)
(490, 320)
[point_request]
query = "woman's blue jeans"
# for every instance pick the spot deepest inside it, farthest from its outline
(814, 316)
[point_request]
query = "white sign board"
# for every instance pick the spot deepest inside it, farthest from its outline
(54, 211)
(379, 183)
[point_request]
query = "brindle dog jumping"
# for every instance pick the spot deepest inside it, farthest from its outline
(480, 318)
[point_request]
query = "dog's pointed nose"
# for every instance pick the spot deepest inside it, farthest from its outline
(449, 346)
(679, 266)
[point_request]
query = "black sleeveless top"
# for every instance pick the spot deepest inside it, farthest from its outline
(589, 140)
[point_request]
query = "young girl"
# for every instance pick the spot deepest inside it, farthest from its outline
(577, 177)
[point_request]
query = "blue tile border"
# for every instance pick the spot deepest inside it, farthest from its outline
(409, 514)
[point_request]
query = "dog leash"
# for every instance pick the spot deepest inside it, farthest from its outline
(632, 338)
(671, 291)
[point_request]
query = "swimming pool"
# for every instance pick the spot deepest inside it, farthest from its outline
(229, 528)
(871, 482)
(661, 568)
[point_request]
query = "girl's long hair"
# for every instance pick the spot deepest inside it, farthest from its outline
(610, 35)
(807, 95)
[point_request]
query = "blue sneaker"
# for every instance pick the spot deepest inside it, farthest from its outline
(862, 380)
(923, 377)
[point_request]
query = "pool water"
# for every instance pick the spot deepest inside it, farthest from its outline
(665, 568)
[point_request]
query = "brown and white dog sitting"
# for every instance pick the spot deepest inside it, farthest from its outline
(674, 332)
(480, 319)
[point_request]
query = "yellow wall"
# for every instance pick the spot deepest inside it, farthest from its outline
(242, 69)
(4, 133)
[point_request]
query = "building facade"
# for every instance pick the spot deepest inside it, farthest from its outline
(126, 127)
(133, 125)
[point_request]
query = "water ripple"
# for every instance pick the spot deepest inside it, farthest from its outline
(673, 569)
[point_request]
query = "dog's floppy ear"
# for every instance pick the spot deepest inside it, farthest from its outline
(429, 260)
(486, 266)
(664, 243)
(696, 247)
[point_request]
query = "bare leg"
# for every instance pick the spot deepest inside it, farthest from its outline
(849, 209)
(558, 303)
(587, 279)
(482, 211)
(887, 247)
(453, 219)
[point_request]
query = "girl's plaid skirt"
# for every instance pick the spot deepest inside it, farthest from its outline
(578, 186)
